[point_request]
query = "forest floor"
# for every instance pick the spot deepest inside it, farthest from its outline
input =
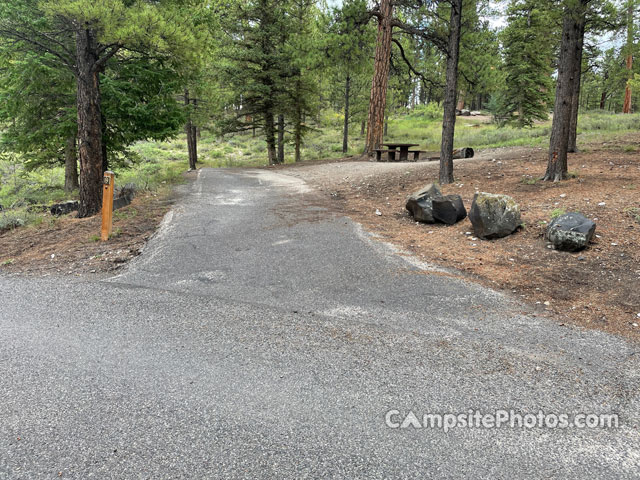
(71, 246)
(597, 288)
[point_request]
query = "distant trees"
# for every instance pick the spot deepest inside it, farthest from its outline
(528, 62)
(349, 51)
(265, 70)
(84, 80)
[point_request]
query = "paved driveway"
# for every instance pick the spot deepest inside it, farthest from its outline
(261, 336)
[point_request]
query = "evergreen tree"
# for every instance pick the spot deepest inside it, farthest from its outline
(84, 36)
(349, 51)
(528, 62)
(253, 67)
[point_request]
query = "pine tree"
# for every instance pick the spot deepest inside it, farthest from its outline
(84, 36)
(253, 68)
(349, 52)
(528, 62)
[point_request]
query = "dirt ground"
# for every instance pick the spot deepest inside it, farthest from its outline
(71, 246)
(597, 288)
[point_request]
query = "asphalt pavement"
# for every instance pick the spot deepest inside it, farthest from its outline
(263, 335)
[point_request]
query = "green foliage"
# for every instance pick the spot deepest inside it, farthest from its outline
(431, 111)
(527, 68)
(557, 212)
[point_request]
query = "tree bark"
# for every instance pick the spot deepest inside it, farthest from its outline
(345, 130)
(280, 138)
(380, 82)
(603, 100)
(451, 89)
(70, 165)
(89, 123)
(626, 108)
(298, 133)
(190, 131)
(270, 136)
(575, 98)
(569, 54)
(194, 144)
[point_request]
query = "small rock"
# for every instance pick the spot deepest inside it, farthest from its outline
(378, 212)
(601, 204)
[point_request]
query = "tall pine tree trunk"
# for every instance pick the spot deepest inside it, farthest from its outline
(627, 91)
(345, 130)
(70, 165)
(298, 133)
(378, 101)
(451, 89)
(575, 99)
(569, 55)
(194, 136)
(89, 124)
(603, 100)
(270, 136)
(280, 138)
(190, 131)
(194, 144)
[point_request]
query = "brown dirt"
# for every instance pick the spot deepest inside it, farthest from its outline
(597, 288)
(71, 246)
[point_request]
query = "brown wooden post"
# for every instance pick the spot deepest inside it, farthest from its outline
(108, 184)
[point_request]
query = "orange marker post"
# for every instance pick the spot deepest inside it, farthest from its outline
(108, 182)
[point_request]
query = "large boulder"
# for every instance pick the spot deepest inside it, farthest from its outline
(420, 203)
(448, 209)
(124, 196)
(571, 232)
(494, 216)
(64, 208)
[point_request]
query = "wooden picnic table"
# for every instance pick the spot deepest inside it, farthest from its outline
(404, 149)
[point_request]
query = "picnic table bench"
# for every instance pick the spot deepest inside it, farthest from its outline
(403, 147)
(391, 154)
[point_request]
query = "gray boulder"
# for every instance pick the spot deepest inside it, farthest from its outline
(448, 209)
(494, 216)
(571, 232)
(124, 196)
(420, 203)
(63, 208)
